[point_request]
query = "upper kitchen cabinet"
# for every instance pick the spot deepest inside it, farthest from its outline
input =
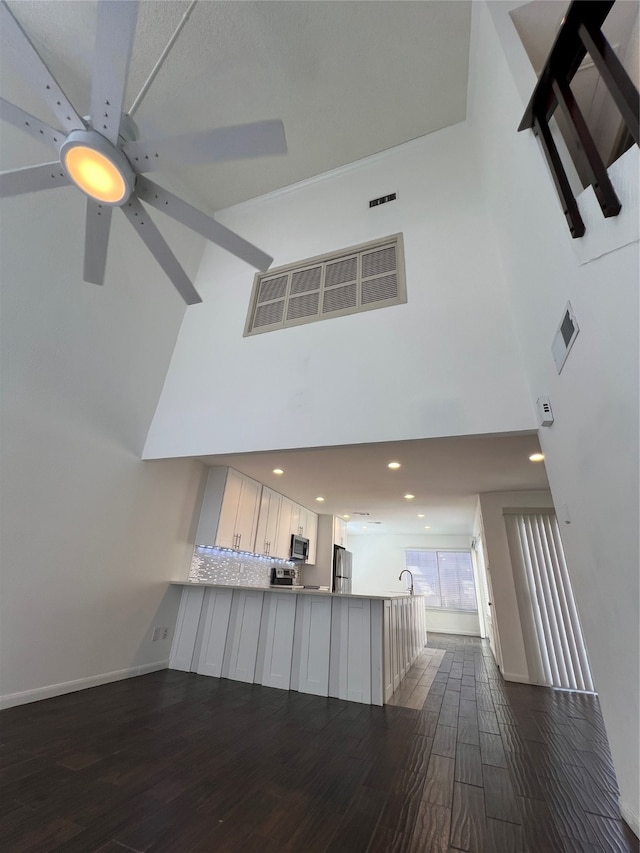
(339, 531)
(285, 528)
(309, 528)
(268, 522)
(230, 508)
(299, 521)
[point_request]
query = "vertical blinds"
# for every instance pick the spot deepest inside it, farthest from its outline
(445, 578)
(548, 610)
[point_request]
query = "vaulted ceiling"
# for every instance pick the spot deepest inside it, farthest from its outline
(348, 79)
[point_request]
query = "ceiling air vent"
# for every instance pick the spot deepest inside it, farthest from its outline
(359, 278)
(375, 202)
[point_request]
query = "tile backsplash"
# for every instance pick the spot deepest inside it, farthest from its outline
(223, 566)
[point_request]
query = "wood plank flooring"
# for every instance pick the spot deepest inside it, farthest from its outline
(175, 762)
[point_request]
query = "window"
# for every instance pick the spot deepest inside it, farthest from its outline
(445, 578)
(345, 282)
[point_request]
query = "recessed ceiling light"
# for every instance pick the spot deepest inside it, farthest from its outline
(319, 498)
(536, 457)
(393, 465)
(409, 497)
(420, 515)
(346, 516)
(427, 527)
(364, 526)
(278, 471)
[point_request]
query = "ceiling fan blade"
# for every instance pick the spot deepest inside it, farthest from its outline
(199, 222)
(115, 30)
(28, 61)
(96, 241)
(31, 179)
(30, 124)
(260, 139)
(157, 245)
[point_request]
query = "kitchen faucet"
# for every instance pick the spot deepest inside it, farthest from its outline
(410, 575)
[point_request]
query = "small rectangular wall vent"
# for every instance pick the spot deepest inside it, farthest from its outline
(565, 336)
(359, 278)
(375, 202)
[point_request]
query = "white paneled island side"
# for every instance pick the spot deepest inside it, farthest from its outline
(353, 647)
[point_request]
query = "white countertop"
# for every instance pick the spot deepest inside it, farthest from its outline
(300, 591)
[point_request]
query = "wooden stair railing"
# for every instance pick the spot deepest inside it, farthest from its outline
(581, 33)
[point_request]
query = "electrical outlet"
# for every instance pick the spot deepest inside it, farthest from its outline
(165, 633)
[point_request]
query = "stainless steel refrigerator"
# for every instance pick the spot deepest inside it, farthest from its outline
(341, 569)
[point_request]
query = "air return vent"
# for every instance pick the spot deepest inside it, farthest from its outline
(356, 279)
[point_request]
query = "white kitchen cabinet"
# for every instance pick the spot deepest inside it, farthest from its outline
(339, 531)
(310, 668)
(350, 654)
(268, 521)
(285, 528)
(212, 632)
(241, 648)
(184, 637)
(230, 507)
(309, 529)
(275, 644)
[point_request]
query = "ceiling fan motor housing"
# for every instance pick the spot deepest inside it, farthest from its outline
(97, 167)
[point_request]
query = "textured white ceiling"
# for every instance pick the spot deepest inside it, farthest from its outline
(348, 79)
(444, 474)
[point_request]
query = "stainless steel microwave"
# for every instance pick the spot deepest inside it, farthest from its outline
(299, 548)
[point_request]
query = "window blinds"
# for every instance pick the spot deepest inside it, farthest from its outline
(556, 652)
(445, 578)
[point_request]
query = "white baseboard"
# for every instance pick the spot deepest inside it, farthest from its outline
(461, 633)
(513, 676)
(9, 700)
(631, 817)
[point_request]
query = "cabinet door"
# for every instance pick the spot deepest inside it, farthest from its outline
(226, 536)
(284, 530)
(387, 652)
(340, 531)
(311, 532)
(268, 518)
(241, 648)
(247, 517)
(310, 669)
(296, 521)
(275, 646)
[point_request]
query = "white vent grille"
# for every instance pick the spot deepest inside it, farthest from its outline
(303, 306)
(356, 279)
(339, 298)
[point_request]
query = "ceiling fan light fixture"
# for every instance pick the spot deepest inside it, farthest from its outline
(97, 167)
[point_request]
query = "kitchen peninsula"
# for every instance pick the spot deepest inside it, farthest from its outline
(353, 647)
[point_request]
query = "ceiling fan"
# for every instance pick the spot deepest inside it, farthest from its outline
(102, 156)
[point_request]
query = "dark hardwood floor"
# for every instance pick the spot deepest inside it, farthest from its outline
(177, 762)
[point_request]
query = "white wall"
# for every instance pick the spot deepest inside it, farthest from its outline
(446, 363)
(592, 448)
(378, 559)
(90, 534)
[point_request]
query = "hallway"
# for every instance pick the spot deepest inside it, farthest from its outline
(177, 762)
